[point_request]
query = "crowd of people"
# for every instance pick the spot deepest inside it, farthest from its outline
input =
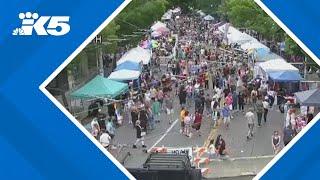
(209, 79)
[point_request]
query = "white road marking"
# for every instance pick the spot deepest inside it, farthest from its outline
(168, 130)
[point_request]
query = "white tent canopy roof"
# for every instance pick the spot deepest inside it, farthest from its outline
(124, 75)
(235, 36)
(136, 55)
(176, 10)
(201, 13)
(158, 25)
(167, 15)
(277, 65)
(253, 45)
(208, 18)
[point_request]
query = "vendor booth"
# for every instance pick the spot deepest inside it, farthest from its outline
(136, 55)
(265, 56)
(124, 75)
(208, 18)
(279, 74)
(234, 36)
(129, 65)
(100, 87)
(158, 25)
(254, 45)
(308, 98)
(167, 16)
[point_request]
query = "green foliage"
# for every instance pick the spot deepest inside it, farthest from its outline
(292, 47)
(140, 14)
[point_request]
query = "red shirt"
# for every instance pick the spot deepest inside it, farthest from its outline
(198, 118)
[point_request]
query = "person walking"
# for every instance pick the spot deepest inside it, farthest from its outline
(156, 110)
(265, 109)
(187, 124)
(241, 101)
(151, 121)
(105, 139)
(229, 103)
(189, 94)
(134, 115)
(226, 115)
(182, 96)
(276, 139)
(197, 122)
(182, 116)
(254, 96)
(160, 97)
(206, 79)
(250, 116)
(259, 110)
(208, 105)
(215, 109)
(169, 108)
(110, 128)
(140, 136)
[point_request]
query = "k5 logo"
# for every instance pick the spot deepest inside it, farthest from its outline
(57, 25)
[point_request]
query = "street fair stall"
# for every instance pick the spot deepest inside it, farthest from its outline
(285, 76)
(201, 13)
(158, 25)
(279, 74)
(275, 65)
(308, 98)
(176, 10)
(100, 87)
(309, 102)
(96, 93)
(234, 36)
(124, 75)
(129, 65)
(136, 55)
(260, 56)
(208, 18)
(167, 16)
(253, 45)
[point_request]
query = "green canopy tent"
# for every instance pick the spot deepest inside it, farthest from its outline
(100, 87)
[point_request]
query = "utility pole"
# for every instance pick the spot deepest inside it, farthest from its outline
(305, 68)
(98, 41)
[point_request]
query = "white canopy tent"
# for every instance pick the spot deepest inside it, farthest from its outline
(124, 75)
(235, 36)
(136, 55)
(208, 18)
(158, 25)
(167, 15)
(201, 13)
(253, 45)
(274, 65)
(176, 10)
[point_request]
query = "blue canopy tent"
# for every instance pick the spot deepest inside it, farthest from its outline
(285, 76)
(128, 65)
